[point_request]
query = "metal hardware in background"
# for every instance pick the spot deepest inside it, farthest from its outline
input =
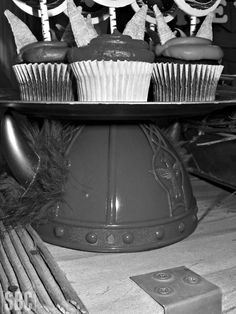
(212, 154)
(181, 291)
(211, 142)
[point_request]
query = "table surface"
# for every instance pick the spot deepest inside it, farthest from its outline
(102, 280)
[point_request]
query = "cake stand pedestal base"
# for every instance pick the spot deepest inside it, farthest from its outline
(128, 190)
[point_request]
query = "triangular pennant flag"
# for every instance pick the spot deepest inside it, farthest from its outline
(163, 30)
(205, 30)
(22, 34)
(136, 26)
(82, 28)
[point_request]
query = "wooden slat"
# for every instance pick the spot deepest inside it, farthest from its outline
(27, 267)
(102, 280)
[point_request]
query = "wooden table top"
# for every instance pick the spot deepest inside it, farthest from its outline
(103, 282)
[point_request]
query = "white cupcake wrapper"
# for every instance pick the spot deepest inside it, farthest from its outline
(185, 82)
(44, 82)
(112, 80)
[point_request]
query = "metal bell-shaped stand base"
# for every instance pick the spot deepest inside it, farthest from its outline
(128, 190)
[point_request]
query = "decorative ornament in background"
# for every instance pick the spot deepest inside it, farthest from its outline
(55, 7)
(98, 12)
(114, 3)
(23, 161)
(197, 7)
(32, 7)
(43, 9)
(88, 6)
(168, 8)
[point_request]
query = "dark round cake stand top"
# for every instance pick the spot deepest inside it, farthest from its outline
(107, 111)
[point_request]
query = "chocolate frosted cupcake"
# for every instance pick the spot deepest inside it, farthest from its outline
(186, 68)
(41, 68)
(112, 67)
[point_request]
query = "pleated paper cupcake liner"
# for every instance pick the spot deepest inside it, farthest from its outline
(44, 82)
(112, 80)
(185, 82)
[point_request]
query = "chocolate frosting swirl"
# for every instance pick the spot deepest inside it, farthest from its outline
(112, 47)
(43, 52)
(189, 48)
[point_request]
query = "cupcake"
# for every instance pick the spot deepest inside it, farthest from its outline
(110, 67)
(186, 68)
(41, 67)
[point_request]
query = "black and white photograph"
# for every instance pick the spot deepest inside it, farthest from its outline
(117, 157)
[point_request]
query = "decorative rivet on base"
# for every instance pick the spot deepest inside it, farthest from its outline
(181, 227)
(162, 276)
(128, 238)
(68, 163)
(110, 238)
(91, 237)
(164, 290)
(160, 234)
(192, 280)
(59, 232)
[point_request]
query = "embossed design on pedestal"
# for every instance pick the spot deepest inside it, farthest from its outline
(166, 167)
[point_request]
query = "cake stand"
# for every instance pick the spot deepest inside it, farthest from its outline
(128, 189)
